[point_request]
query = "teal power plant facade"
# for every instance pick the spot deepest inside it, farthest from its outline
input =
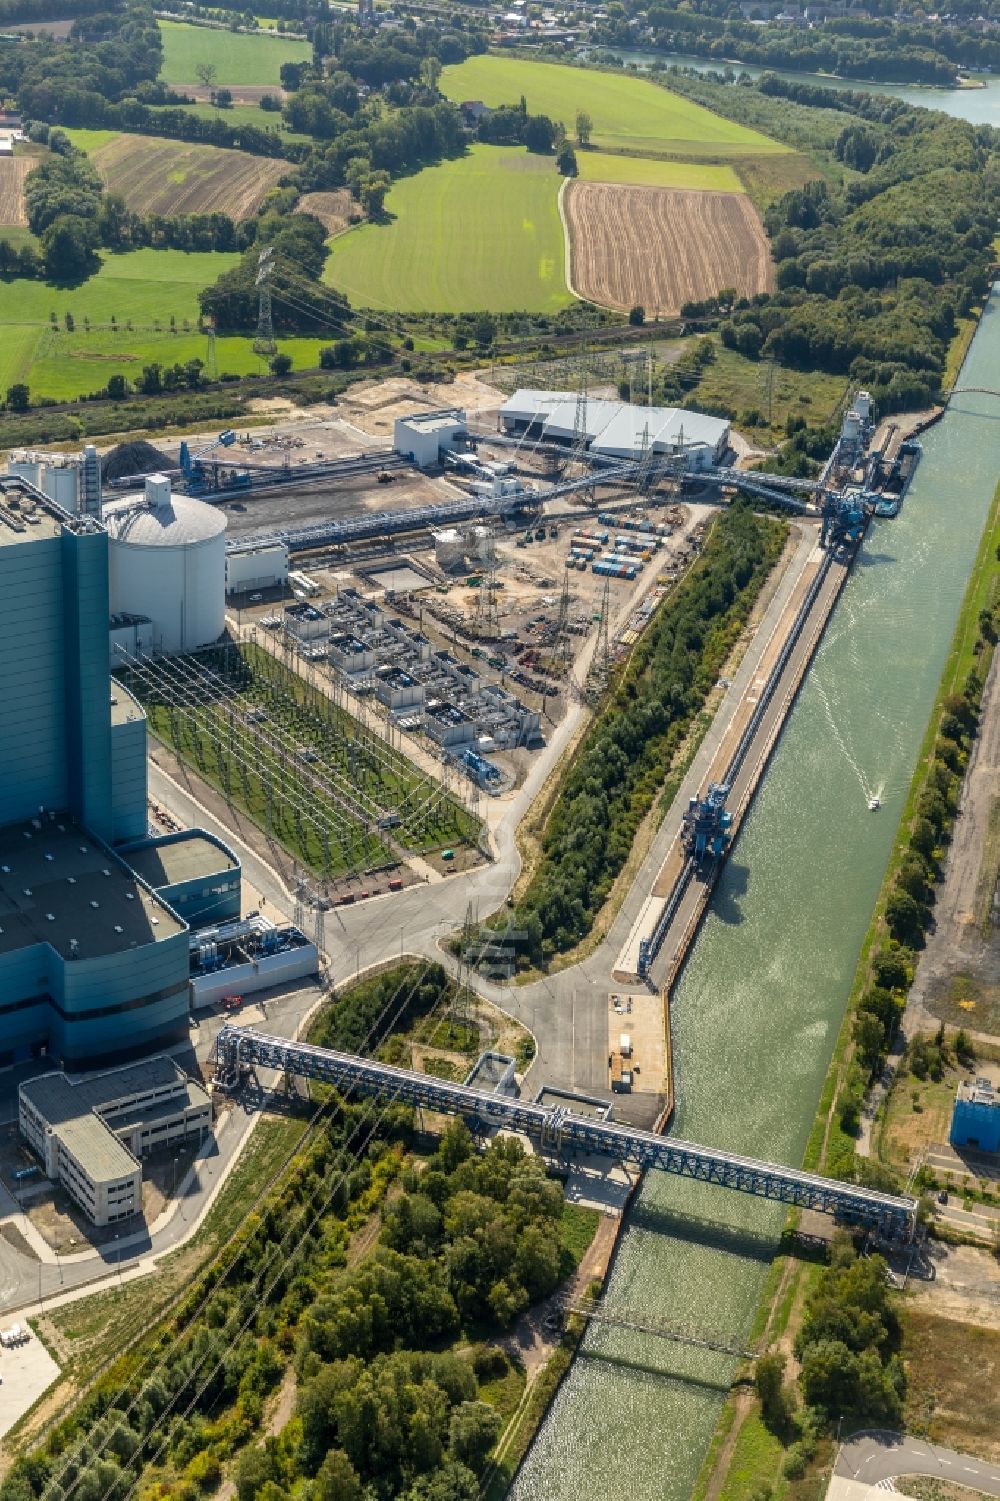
(94, 957)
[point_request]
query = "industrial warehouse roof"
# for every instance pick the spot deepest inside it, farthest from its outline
(615, 428)
(58, 886)
(178, 524)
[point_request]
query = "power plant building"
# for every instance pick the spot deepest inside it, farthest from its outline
(615, 429)
(94, 963)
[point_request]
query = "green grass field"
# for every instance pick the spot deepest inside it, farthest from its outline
(629, 114)
(145, 286)
(239, 58)
(646, 172)
(480, 232)
(89, 140)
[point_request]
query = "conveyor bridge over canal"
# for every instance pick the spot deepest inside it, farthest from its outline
(563, 1131)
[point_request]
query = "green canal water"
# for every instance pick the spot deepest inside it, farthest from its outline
(759, 1005)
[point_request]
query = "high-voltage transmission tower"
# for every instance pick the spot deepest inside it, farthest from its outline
(264, 344)
(562, 652)
(600, 662)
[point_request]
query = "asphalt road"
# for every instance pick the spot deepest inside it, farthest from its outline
(874, 1457)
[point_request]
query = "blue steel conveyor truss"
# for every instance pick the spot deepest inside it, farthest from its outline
(239, 1049)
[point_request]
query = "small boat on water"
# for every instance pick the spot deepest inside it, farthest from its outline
(874, 803)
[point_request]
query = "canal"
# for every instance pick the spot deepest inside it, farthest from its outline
(758, 1008)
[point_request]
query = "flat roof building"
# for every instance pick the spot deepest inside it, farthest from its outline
(90, 1133)
(976, 1119)
(424, 436)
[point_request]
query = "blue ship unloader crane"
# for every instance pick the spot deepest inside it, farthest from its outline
(200, 475)
(707, 825)
(845, 516)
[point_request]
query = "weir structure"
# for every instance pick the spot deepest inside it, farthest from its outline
(238, 1049)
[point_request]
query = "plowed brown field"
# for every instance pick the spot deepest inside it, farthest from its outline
(13, 171)
(661, 247)
(332, 209)
(157, 176)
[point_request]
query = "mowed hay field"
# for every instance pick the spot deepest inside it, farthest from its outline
(661, 247)
(238, 57)
(158, 176)
(481, 233)
(629, 114)
(13, 171)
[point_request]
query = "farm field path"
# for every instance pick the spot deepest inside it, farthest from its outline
(481, 232)
(628, 113)
(662, 247)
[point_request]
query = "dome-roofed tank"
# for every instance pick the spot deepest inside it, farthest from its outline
(168, 561)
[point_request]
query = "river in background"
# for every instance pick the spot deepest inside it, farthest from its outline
(758, 1008)
(979, 106)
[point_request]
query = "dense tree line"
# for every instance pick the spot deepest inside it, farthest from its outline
(887, 47)
(107, 57)
(873, 272)
(627, 752)
(849, 1361)
(300, 303)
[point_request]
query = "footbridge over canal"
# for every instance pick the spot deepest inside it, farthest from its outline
(560, 1130)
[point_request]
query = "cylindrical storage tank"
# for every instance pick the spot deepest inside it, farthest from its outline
(62, 484)
(483, 544)
(168, 561)
(26, 469)
(449, 550)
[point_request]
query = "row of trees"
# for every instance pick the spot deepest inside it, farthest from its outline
(848, 1349)
(69, 211)
(627, 752)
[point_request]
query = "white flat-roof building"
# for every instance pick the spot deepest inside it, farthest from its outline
(616, 429)
(423, 436)
(90, 1132)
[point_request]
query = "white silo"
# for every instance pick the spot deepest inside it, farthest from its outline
(25, 466)
(62, 484)
(168, 561)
